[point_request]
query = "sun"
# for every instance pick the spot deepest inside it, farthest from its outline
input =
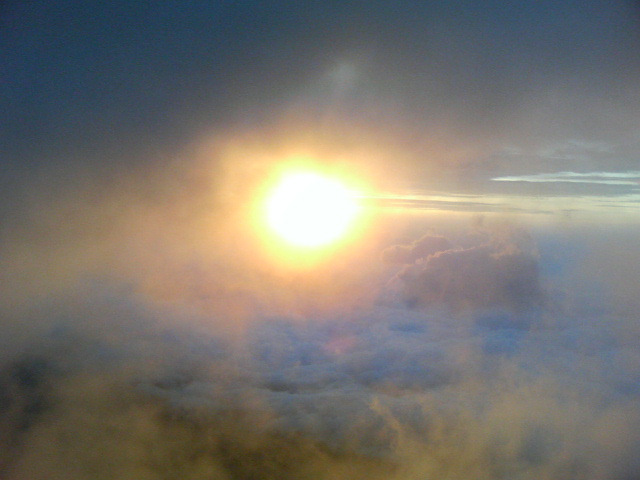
(307, 209)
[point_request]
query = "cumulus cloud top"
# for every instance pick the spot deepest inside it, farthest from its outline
(498, 273)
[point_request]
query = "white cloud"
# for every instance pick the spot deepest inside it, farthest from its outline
(629, 178)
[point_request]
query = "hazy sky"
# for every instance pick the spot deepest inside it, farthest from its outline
(481, 320)
(504, 88)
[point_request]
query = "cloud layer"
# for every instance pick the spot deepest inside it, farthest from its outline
(385, 392)
(110, 380)
(150, 330)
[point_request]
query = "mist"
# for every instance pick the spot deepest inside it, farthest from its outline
(480, 320)
(152, 352)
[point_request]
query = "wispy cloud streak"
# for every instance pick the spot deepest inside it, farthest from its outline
(601, 178)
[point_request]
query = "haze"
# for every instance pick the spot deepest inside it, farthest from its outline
(481, 319)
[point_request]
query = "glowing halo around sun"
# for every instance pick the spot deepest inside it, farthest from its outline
(309, 210)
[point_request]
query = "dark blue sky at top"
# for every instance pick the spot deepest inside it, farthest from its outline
(104, 83)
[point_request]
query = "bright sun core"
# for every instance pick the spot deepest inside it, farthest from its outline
(309, 210)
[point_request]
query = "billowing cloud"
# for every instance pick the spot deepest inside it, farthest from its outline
(500, 273)
(384, 392)
(159, 380)
(426, 246)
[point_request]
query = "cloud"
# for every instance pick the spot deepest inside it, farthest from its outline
(631, 178)
(147, 330)
(500, 273)
(162, 336)
(422, 248)
(384, 391)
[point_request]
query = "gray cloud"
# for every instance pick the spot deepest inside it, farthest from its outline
(383, 391)
(500, 273)
(162, 336)
(422, 248)
(168, 369)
